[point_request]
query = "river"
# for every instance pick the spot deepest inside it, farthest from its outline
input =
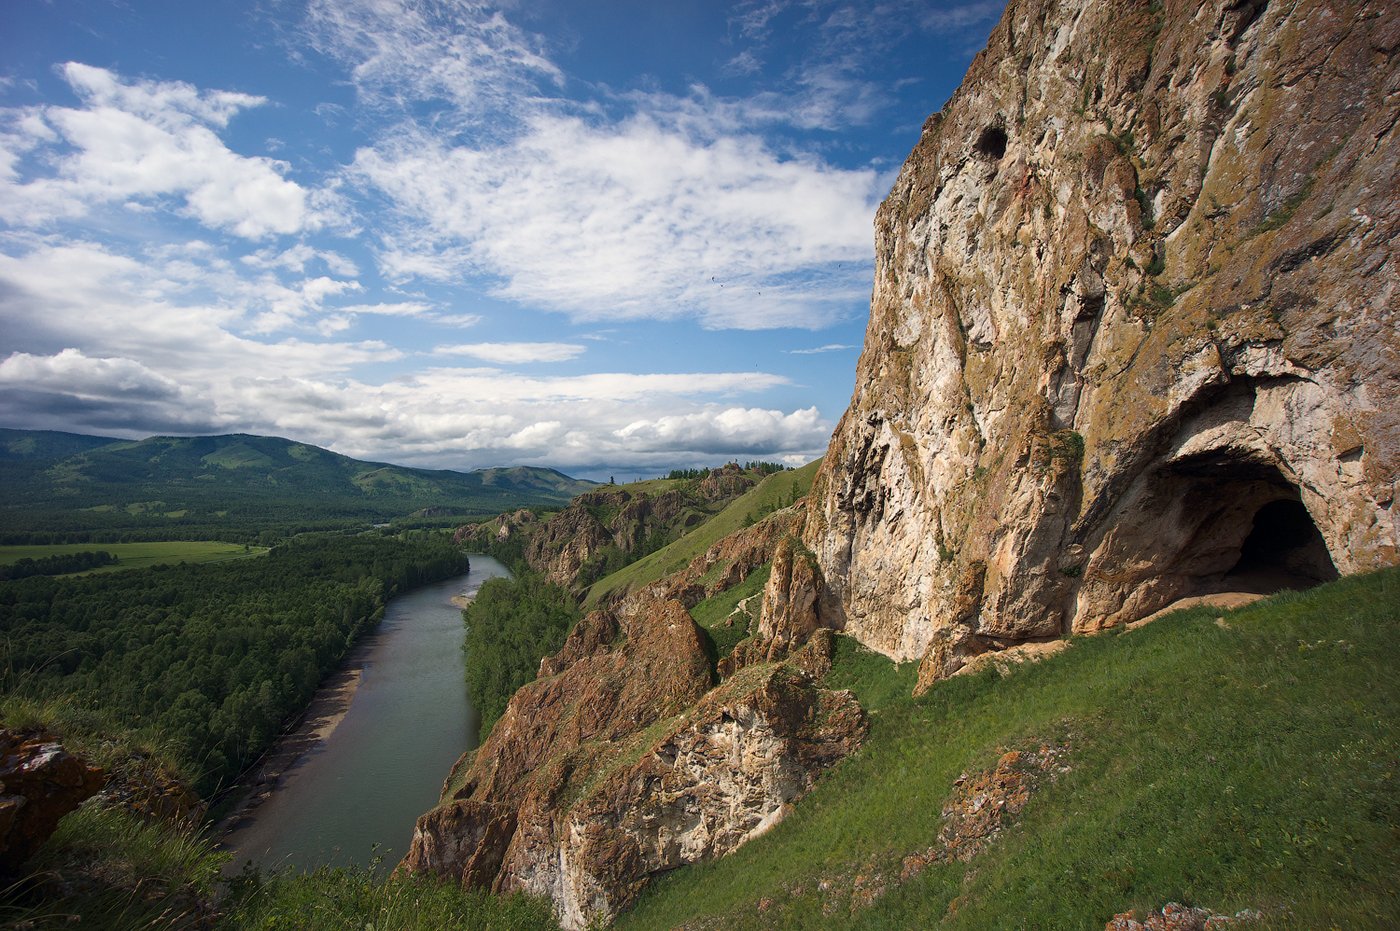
(347, 788)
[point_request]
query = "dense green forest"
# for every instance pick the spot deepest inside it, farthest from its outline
(58, 564)
(69, 488)
(510, 625)
(214, 657)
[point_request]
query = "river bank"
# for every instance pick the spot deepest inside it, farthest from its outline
(346, 785)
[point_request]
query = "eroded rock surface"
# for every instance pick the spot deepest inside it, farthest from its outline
(1134, 330)
(40, 782)
(573, 547)
(621, 761)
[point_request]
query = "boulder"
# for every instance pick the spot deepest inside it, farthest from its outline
(40, 782)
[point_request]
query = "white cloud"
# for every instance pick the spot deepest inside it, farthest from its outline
(296, 258)
(397, 309)
(457, 320)
(462, 52)
(635, 220)
(513, 353)
(139, 142)
(678, 207)
(729, 430)
(127, 345)
(74, 373)
(829, 347)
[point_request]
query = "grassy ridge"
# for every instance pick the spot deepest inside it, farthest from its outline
(63, 488)
(774, 491)
(1253, 765)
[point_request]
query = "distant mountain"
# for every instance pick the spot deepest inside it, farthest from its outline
(69, 482)
(46, 445)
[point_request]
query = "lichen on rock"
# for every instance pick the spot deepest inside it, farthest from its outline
(621, 762)
(1133, 335)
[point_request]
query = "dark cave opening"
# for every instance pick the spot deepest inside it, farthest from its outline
(1283, 549)
(991, 144)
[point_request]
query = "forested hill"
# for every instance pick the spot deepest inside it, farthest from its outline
(59, 483)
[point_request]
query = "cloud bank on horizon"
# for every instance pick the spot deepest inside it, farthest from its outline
(626, 238)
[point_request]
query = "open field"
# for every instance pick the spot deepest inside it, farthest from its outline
(137, 555)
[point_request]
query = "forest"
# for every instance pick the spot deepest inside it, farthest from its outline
(511, 624)
(215, 658)
(58, 564)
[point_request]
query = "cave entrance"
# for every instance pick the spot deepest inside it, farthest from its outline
(1283, 550)
(1223, 522)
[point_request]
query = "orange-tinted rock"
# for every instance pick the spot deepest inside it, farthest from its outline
(40, 782)
(621, 762)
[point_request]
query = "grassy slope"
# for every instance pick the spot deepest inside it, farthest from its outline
(763, 497)
(137, 555)
(1249, 766)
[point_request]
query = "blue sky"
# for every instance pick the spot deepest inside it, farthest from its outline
(613, 237)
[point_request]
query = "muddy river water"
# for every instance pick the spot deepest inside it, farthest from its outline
(372, 753)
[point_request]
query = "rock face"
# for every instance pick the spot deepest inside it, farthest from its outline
(622, 760)
(1134, 330)
(600, 530)
(40, 782)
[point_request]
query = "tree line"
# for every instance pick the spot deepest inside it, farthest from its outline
(57, 564)
(215, 657)
(511, 624)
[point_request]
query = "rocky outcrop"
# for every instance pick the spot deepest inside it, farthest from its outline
(139, 783)
(724, 773)
(1177, 917)
(503, 528)
(621, 761)
(1133, 334)
(40, 782)
(602, 530)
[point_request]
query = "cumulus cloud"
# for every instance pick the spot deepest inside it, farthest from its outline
(130, 345)
(77, 374)
(137, 142)
(729, 430)
(643, 219)
(513, 353)
(98, 394)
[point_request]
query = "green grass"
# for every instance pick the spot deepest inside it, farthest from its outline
(116, 872)
(768, 494)
(711, 613)
(137, 555)
(119, 873)
(340, 899)
(1253, 765)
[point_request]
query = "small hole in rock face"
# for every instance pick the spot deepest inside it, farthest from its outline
(992, 143)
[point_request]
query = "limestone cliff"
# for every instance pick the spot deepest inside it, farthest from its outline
(1133, 333)
(625, 759)
(600, 531)
(1133, 337)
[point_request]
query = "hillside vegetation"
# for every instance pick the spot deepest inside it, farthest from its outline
(238, 487)
(1241, 760)
(1244, 760)
(210, 659)
(776, 491)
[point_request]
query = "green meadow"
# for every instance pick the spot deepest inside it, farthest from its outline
(137, 555)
